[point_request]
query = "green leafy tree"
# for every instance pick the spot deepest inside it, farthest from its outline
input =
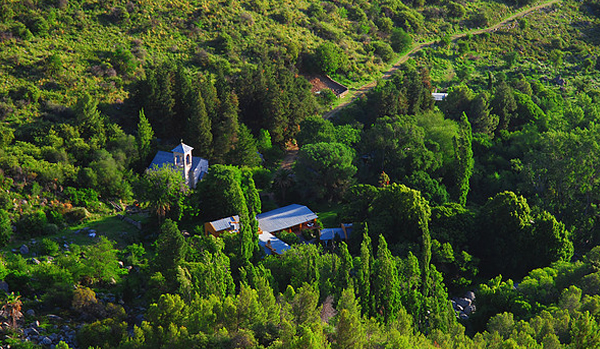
(163, 190)
(326, 168)
(510, 243)
(401, 41)
(330, 58)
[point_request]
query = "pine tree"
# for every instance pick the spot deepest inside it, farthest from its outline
(199, 126)
(225, 128)
(184, 96)
(244, 152)
(145, 136)
(161, 100)
(91, 122)
(169, 250)
(350, 333)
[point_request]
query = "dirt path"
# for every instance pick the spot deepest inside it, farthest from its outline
(357, 93)
(291, 153)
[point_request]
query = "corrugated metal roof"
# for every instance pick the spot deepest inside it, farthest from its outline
(229, 223)
(182, 148)
(439, 96)
(284, 217)
(330, 234)
(276, 244)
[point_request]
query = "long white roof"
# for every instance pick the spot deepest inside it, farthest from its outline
(284, 217)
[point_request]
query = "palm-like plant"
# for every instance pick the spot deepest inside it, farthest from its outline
(283, 180)
(12, 309)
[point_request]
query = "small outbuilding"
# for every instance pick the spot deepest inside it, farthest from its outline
(223, 225)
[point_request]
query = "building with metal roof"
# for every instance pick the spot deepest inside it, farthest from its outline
(223, 225)
(192, 168)
(271, 244)
(437, 96)
(292, 217)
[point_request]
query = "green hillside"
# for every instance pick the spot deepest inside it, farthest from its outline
(474, 219)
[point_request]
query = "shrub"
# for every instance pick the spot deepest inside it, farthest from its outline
(5, 228)
(21, 31)
(124, 61)
(309, 234)
(50, 229)
(48, 246)
(85, 197)
(383, 50)
(84, 300)
(39, 26)
(32, 224)
(77, 214)
(289, 238)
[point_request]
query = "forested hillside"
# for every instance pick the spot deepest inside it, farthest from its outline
(474, 219)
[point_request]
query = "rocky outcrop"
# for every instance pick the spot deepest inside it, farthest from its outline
(464, 306)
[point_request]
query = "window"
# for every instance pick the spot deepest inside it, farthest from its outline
(188, 159)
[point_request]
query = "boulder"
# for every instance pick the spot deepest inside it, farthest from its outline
(35, 261)
(46, 341)
(470, 295)
(52, 317)
(463, 302)
(24, 249)
(30, 312)
(31, 331)
(470, 309)
(4, 286)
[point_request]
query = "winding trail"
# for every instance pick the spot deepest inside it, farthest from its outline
(357, 93)
(292, 152)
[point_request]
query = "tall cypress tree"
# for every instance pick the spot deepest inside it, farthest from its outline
(387, 285)
(464, 160)
(343, 279)
(364, 274)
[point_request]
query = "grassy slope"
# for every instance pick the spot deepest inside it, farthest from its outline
(85, 35)
(566, 26)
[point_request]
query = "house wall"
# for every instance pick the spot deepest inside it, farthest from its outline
(208, 229)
